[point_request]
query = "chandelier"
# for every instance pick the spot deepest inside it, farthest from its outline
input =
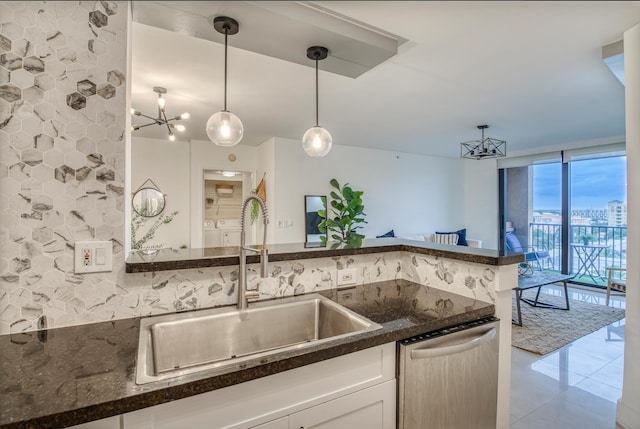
(161, 119)
(484, 148)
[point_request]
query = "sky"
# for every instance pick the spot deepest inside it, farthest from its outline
(594, 183)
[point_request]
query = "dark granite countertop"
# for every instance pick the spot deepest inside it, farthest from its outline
(175, 259)
(67, 376)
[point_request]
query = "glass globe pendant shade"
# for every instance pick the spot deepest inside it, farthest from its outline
(317, 141)
(225, 129)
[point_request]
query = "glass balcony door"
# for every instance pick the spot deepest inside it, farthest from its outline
(598, 233)
(587, 195)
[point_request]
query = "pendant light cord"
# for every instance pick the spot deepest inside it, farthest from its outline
(226, 34)
(317, 123)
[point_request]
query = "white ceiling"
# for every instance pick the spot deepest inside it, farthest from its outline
(533, 71)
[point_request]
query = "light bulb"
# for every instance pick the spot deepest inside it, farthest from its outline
(224, 129)
(172, 137)
(133, 111)
(185, 115)
(161, 102)
(317, 141)
(229, 173)
(180, 127)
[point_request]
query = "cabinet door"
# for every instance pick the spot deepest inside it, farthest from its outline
(282, 423)
(371, 408)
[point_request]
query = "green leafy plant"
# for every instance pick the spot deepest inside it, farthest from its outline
(345, 217)
(585, 238)
(139, 219)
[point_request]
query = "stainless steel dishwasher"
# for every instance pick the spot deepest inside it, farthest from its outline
(448, 379)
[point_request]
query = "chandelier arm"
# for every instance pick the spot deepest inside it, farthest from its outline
(167, 123)
(146, 125)
(156, 120)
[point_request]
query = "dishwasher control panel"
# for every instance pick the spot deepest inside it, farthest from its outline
(451, 330)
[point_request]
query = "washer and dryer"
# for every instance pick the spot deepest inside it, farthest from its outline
(223, 233)
(229, 232)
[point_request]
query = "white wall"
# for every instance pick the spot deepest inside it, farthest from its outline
(266, 167)
(481, 201)
(628, 414)
(404, 192)
(408, 193)
(167, 164)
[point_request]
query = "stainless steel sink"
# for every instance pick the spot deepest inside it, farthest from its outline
(178, 344)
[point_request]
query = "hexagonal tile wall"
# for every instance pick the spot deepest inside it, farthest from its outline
(55, 59)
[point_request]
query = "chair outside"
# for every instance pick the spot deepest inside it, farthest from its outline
(615, 286)
(531, 254)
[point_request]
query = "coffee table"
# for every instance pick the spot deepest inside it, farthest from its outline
(537, 280)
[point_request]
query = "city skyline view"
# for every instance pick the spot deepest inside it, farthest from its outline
(593, 183)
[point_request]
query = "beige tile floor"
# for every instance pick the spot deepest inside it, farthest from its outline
(576, 386)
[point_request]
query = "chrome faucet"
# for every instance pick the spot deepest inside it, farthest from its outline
(245, 295)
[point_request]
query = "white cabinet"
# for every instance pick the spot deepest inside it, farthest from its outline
(359, 385)
(281, 423)
(372, 408)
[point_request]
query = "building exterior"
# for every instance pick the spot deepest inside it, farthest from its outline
(597, 214)
(617, 211)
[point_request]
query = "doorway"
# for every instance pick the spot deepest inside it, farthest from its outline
(224, 193)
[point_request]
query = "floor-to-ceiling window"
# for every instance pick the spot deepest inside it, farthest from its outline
(584, 189)
(545, 228)
(598, 217)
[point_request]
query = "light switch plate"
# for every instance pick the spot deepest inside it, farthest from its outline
(93, 256)
(347, 277)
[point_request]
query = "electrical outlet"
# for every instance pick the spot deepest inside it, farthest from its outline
(86, 257)
(347, 277)
(93, 256)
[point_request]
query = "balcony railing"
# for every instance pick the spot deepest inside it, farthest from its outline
(609, 245)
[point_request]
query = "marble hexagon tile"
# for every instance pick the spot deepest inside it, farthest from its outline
(62, 121)
(464, 278)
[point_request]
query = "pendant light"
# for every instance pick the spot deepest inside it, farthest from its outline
(485, 148)
(317, 141)
(224, 128)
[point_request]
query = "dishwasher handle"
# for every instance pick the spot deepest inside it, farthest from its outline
(429, 352)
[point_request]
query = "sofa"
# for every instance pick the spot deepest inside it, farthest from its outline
(430, 237)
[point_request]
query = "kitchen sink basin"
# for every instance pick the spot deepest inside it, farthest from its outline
(183, 343)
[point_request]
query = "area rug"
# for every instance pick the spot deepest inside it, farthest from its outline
(545, 330)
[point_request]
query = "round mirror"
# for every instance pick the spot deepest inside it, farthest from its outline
(148, 202)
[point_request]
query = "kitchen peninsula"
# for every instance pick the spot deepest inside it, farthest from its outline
(79, 374)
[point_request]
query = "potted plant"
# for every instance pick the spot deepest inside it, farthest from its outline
(586, 238)
(139, 219)
(347, 215)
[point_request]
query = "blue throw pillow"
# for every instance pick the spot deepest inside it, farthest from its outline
(386, 234)
(462, 236)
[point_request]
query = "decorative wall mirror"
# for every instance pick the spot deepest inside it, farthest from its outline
(148, 201)
(313, 203)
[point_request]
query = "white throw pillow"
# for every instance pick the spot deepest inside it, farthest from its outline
(445, 238)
